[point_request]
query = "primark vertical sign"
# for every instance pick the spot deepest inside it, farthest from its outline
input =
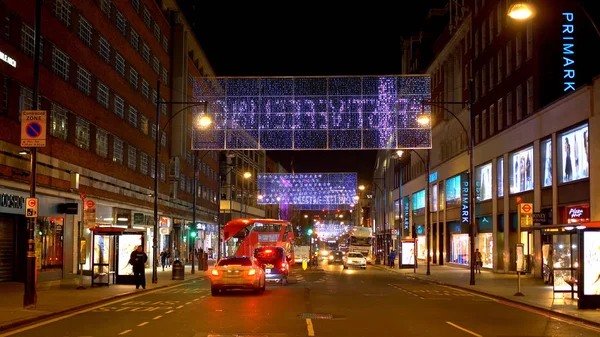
(568, 51)
(465, 209)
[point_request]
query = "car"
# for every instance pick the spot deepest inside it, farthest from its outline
(336, 257)
(355, 259)
(237, 272)
(273, 261)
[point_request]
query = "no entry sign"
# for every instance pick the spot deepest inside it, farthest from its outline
(33, 128)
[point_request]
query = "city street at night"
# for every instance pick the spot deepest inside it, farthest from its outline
(328, 302)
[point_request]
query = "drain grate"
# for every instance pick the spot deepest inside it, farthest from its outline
(317, 316)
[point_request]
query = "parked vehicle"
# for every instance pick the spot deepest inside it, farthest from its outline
(237, 272)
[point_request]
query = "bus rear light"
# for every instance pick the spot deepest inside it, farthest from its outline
(251, 272)
(215, 272)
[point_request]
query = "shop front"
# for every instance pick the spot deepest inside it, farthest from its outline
(485, 240)
(459, 243)
(13, 229)
(145, 221)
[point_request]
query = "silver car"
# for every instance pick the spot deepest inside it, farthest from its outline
(237, 272)
(355, 259)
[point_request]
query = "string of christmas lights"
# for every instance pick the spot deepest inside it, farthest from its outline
(308, 188)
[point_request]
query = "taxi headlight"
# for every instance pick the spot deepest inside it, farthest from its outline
(331, 257)
(324, 253)
(368, 258)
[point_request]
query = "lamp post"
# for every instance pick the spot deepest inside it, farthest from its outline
(246, 175)
(204, 121)
(424, 119)
(219, 251)
(195, 192)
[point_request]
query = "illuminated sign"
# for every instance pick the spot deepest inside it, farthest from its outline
(8, 59)
(575, 213)
(406, 211)
(464, 198)
(433, 177)
(568, 52)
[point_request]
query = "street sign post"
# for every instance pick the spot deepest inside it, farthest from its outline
(31, 207)
(33, 128)
(89, 213)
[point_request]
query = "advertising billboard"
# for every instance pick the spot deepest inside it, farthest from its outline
(453, 191)
(521, 170)
(483, 175)
(574, 154)
(500, 177)
(546, 158)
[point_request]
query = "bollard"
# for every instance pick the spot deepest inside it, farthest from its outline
(178, 270)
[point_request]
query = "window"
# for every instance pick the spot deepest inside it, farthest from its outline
(466, 77)
(144, 125)
(573, 154)
(476, 43)
(484, 124)
(59, 122)
(82, 130)
(154, 96)
(519, 102)
(102, 96)
(7, 27)
(156, 64)
(499, 17)
(119, 106)
(500, 114)
(105, 7)
(492, 67)
(500, 65)
(136, 5)
(146, 52)
(157, 32)
(165, 43)
(500, 176)
(27, 40)
(145, 88)
(85, 31)
(163, 140)
(163, 107)
(133, 116)
(101, 142)
(120, 64)
(5, 96)
(182, 182)
(144, 163)
(165, 76)
(484, 28)
(153, 128)
(189, 185)
(529, 95)
(131, 157)
(484, 80)
(518, 50)
(133, 77)
(117, 150)
(60, 63)
(508, 58)
(509, 109)
(134, 38)
(477, 127)
(492, 111)
(26, 99)
(104, 49)
(476, 86)
(483, 181)
(491, 32)
(147, 18)
(62, 10)
(529, 33)
(84, 80)
(121, 24)
(162, 171)
(152, 167)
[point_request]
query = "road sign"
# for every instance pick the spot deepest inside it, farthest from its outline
(394, 232)
(82, 195)
(31, 207)
(526, 208)
(519, 199)
(89, 214)
(33, 128)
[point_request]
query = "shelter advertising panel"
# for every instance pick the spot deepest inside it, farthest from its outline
(591, 263)
(408, 253)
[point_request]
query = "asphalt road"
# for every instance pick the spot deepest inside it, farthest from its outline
(333, 302)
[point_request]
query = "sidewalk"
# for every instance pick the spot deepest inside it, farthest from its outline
(61, 296)
(504, 286)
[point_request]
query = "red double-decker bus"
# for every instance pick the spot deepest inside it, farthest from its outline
(242, 236)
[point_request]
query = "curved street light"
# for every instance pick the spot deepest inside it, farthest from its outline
(521, 10)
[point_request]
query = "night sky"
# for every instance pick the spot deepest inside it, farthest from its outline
(306, 40)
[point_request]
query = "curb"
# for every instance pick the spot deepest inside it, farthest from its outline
(506, 299)
(13, 325)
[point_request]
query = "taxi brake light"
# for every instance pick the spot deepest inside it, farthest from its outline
(251, 272)
(268, 251)
(215, 272)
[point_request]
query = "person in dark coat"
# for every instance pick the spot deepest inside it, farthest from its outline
(138, 260)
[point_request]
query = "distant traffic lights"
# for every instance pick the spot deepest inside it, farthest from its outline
(193, 234)
(309, 231)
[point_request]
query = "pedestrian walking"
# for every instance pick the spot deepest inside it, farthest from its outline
(392, 258)
(163, 258)
(138, 260)
(478, 261)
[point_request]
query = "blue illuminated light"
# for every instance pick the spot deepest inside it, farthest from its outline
(313, 113)
(568, 34)
(308, 190)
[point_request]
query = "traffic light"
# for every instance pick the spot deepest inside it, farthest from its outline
(309, 231)
(193, 234)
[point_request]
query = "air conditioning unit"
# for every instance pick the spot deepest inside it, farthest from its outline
(174, 167)
(173, 189)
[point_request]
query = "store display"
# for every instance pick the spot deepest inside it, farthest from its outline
(500, 177)
(483, 176)
(453, 191)
(591, 263)
(434, 196)
(397, 210)
(546, 147)
(418, 200)
(575, 155)
(521, 171)
(459, 249)
(421, 247)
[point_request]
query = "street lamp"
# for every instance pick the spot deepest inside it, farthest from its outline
(246, 175)
(521, 10)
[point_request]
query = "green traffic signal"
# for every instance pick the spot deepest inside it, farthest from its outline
(193, 234)
(310, 231)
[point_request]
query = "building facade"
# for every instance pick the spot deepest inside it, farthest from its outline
(101, 62)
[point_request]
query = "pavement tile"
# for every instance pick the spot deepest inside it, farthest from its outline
(537, 294)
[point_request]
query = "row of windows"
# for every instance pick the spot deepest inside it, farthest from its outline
(150, 23)
(204, 192)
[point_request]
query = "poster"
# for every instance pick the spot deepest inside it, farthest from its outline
(408, 253)
(546, 158)
(520, 257)
(591, 263)
(434, 196)
(500, 178)
(127, 244)
(521, 170)
(484, 182)
(453, 191)
(418, 200)
(574, 150)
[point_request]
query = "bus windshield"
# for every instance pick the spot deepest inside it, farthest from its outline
(354, 241)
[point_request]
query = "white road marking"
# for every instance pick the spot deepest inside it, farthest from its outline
(179, 307)
(124, 332)
(463, 329)
(83, 311)
(188, 302)
(157, 317)
(476, 294)
(168, 312)
(142, 324)
(309, 326)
